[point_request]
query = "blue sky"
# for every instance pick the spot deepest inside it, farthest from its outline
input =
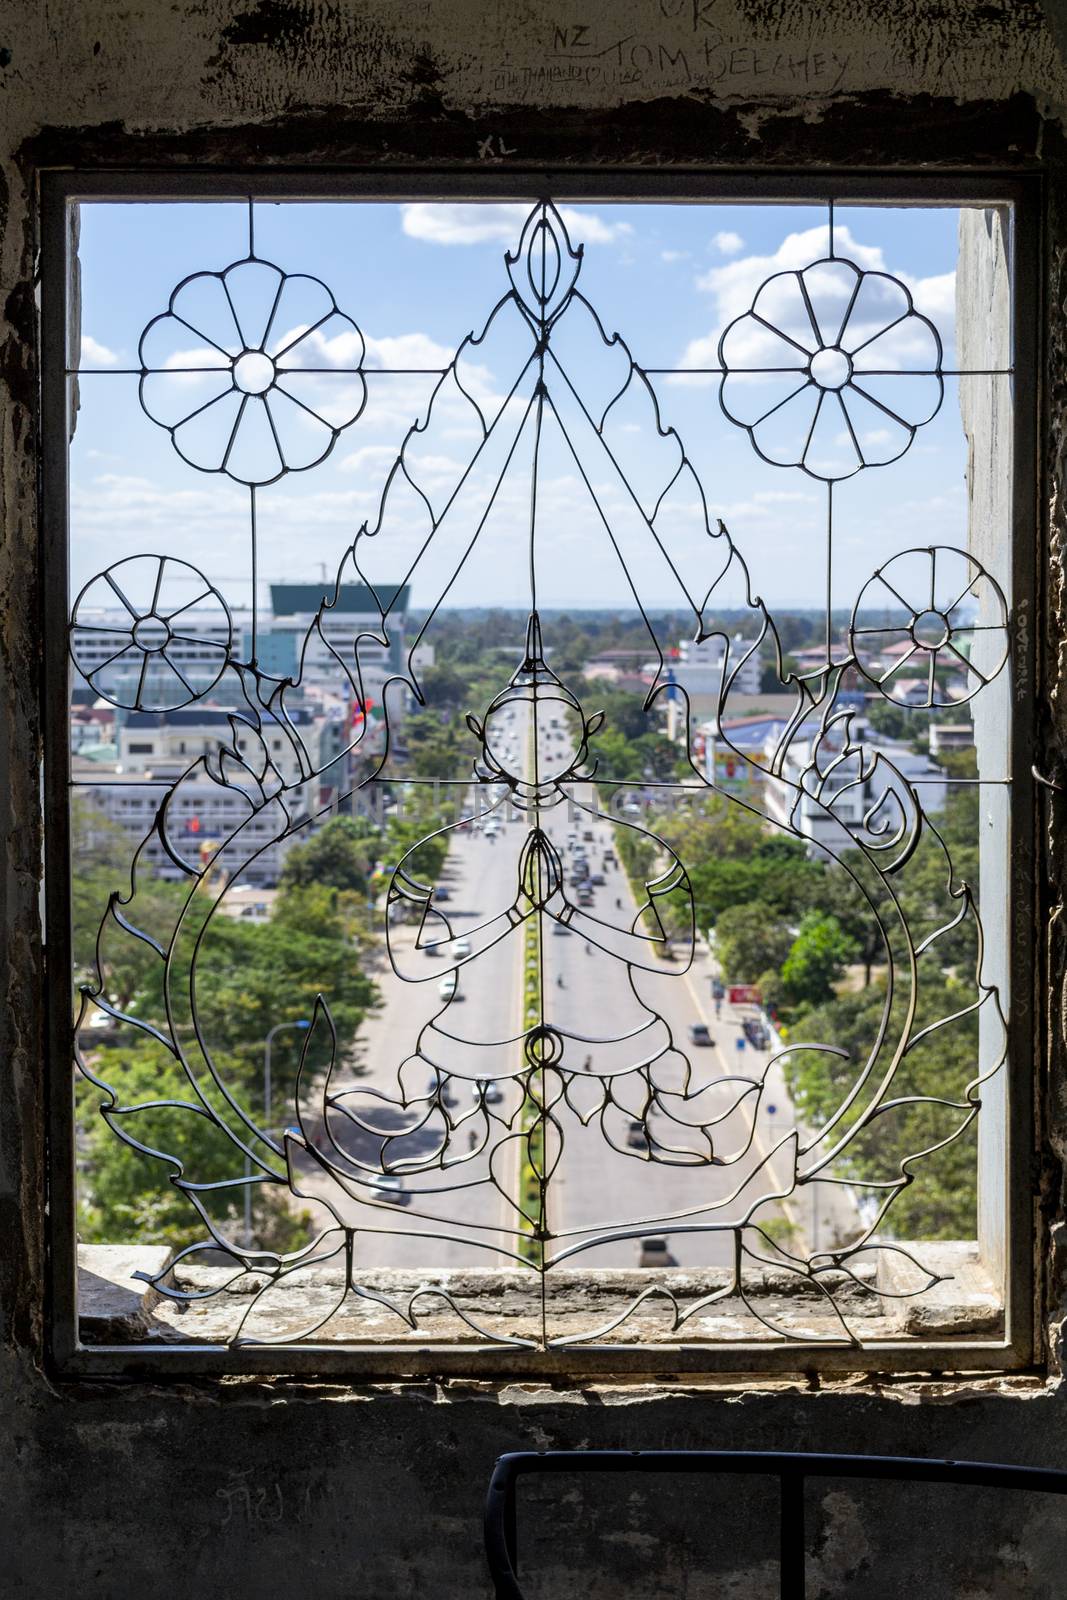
(414, 280)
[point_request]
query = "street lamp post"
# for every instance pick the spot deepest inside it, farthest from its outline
(301, 1027)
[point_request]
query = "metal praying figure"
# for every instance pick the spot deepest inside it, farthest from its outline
(632, 1033)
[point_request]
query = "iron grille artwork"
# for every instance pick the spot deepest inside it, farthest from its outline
(490, 1116)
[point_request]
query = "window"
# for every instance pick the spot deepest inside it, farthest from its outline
(633, 731)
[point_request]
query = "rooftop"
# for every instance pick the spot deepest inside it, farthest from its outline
(297, 599)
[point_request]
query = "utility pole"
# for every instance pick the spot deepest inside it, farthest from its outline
(268, 1043)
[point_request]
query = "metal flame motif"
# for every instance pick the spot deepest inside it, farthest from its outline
(471, 1107)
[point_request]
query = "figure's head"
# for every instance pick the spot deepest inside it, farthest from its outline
(535, 701)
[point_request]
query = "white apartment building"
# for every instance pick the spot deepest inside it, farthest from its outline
(114, 663)
(156, 748)
(834, 815)
(354, 616)
(699, 667)
(947, 736)
(115, 670)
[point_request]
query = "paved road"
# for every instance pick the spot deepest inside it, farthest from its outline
(464, 1198)
(604, 1184)
(595, 1187)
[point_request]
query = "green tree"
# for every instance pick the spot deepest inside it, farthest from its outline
(941, 1202)
(340, 855)
(749, 939)
(126, 1194)
(415, 826)
(858, 918)
(101, 860)
(816, 959)
(249, 976)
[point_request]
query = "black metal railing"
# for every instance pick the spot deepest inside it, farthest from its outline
(791, 1468)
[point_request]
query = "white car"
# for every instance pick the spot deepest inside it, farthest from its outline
(488, 1090)
(461, 948)
(385, 1186)
(447, 986)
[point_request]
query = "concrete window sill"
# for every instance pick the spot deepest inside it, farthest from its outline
(119, 1308)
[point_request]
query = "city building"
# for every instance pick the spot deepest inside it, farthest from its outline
(154, 749)
(353, 618)
(840, 809)
(108, 663)
(949, 736)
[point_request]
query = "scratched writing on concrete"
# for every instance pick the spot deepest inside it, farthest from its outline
(579, 56)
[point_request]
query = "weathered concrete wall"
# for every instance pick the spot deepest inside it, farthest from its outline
(244, 1488)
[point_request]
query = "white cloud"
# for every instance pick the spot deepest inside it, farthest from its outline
(371, 459)
(772, 497)
(448, 224)
(761, 508)
(406, 350)
(702, 352)
(935, 297)
(728, 243)
(96, 353)
(736, 284)
(673, 255)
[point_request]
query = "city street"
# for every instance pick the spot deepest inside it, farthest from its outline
(605, 1181)
(479, 878)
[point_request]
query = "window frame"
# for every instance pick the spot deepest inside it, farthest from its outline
(1021, 1246)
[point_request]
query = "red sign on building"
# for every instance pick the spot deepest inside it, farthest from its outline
(744, 994)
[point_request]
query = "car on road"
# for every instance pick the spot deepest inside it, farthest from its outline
(656, 1253)
(585, 899)
(756, 1033)
(587, 834)
(598, 880)
(700, 1033)
(461, 948)
(386, 1186)
(443, 892)
(559, 931)
(487, 1089)
(636, 1138)
(447, 987)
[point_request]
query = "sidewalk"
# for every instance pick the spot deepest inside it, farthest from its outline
(825, 1212)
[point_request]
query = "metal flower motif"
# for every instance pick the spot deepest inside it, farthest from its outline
(831, 370)
(957, 618)
(162, 597)
(253, 371)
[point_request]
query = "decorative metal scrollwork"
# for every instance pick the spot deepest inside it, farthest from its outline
(831, 370)
(255, 397)
(944, 592)
(162, 597)
(478, 1096)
